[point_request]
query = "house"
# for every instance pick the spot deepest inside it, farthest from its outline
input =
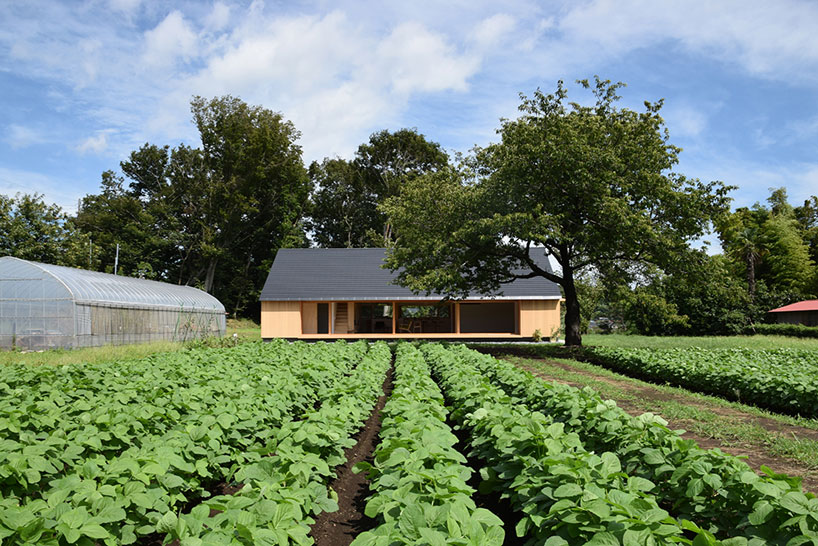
(334, 293)
(803, 312)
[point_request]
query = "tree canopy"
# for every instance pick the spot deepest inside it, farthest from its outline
(589, 186)
(345, 203)
(212, 216)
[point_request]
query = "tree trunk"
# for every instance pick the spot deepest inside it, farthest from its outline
(211, 275)
(751, 277)
(572, 322)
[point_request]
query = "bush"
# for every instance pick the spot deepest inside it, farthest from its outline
(794, 330)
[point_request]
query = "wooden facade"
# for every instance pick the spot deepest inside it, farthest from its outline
(468, 319)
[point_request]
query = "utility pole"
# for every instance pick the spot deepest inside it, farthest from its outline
(116, 260)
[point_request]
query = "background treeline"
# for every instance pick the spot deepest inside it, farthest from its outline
(214, 216)
(769, 258)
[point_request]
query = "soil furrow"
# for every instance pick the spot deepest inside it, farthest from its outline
(339, 528)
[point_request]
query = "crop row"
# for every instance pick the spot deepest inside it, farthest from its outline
(282, 491)
(418, 477)
(566, 495)
(784, 380)
(220, 409)
(716, 490)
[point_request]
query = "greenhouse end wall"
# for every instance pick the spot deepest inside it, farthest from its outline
(46, 307)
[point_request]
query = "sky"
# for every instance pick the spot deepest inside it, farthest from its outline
(84, 83)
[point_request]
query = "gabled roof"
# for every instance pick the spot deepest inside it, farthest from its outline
(355, 274)
(806, 305)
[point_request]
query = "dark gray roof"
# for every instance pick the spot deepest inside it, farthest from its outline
(355, 274)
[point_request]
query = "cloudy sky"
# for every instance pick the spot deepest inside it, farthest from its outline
(84, 83)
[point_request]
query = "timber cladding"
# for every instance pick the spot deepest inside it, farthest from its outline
(280, 319)
(299, 319)
(542, 315)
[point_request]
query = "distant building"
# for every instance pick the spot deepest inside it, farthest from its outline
(345, 293)
(804, 312)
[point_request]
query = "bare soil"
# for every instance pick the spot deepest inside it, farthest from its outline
(757, 455)
(339, 528)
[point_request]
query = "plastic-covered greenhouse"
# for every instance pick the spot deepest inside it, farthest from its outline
(47, 306)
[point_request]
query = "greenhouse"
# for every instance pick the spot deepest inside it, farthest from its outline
(49, 306)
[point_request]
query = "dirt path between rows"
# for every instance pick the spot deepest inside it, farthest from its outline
(756, 455)
(340, 528)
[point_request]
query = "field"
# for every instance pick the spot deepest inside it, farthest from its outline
(353, 443)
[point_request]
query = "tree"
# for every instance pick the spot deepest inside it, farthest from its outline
(257, 187)
(344, 205)
(211, 217)
(30, 229)
(773, 245)
(343, 212)
(589, 186)
(788, 262)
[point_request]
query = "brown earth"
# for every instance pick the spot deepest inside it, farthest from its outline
(757, 455)
(339, 528)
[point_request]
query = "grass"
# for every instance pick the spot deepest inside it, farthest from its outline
(707, 342)
(90, 355)
(693, 409)
(245, 329)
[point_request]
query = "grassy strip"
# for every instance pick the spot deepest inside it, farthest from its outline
(245, 330)
(702, 422)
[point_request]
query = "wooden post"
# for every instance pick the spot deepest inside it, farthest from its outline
(394, 315)
(457, 317)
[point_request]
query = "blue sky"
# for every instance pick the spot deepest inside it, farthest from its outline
(85, 83)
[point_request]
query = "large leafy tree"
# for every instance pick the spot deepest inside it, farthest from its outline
(343, 212)
(211, 216)
(31, 229)
(347, 193)
(589, 186)
(773, 245)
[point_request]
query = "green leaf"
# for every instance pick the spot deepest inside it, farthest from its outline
(166, 523)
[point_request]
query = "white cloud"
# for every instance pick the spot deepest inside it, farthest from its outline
(416, 59)
(218, 18)
(765, 39)
(96, 144)
(171, 39)
(341, 70)
(22, 137)
(493, 29)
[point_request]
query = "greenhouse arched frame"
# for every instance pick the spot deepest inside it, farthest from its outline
(46, 306)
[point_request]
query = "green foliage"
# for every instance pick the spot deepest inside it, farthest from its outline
(784, 380)
(113, 451)
(703, 297)
(794, 330)
(32, 230)
(712, 493)
(567, 495)
(652, 314)
(212, 216)
(589, 186)
(344, 210)
(788, 264)
(775, 246)
(419, 478)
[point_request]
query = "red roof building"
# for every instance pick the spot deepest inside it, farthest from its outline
(803, 312)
